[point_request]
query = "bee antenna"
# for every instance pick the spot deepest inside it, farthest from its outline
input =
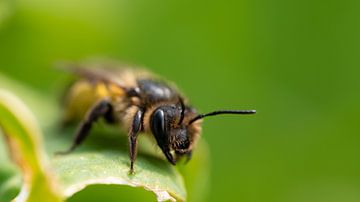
(214, 113)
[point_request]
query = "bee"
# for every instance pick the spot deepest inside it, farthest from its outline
(139, 102)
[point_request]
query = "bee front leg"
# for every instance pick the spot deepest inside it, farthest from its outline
(133, 133)
(99, 109)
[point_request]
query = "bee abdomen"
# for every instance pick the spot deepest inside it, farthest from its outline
(83, 94)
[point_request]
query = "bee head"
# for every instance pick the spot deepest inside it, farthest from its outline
(169, 131)
(175, 126)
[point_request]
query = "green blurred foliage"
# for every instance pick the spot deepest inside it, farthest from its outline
(296, 62)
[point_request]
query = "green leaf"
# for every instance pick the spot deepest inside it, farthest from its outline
(24, 142)
(104, 159)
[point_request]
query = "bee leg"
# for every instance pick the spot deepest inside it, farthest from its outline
(109, 116)
(133, 133)
(101, 108)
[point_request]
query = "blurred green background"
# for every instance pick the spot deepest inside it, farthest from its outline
(296, 62)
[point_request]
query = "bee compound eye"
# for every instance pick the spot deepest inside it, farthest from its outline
(158, 125)
(159, 132)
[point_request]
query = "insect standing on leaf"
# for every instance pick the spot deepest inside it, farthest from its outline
(138, 102)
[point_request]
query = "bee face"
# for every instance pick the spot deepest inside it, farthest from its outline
(181, 141)
(169, 132)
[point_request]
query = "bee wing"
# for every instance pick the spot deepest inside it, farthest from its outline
(122, 75)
